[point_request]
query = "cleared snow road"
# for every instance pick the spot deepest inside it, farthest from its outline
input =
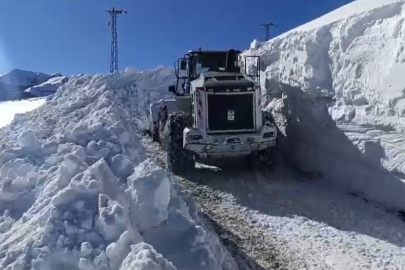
(9, 108)
(282, 220)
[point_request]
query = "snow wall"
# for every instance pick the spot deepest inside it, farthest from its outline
(349, 63)
(313, 143)
(78, 191)
(355, 54)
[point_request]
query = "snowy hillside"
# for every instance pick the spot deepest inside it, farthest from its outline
(78, 191)
(47, 88)
(9, 109)
(355, 54)
(13, 83)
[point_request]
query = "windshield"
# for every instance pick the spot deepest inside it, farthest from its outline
(209, 62)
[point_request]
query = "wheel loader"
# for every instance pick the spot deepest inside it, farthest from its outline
(215, 113)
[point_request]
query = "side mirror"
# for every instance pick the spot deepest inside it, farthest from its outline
(183, 64)
(172, 89)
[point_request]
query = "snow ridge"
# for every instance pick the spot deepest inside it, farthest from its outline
(354, 54)
(78, 192)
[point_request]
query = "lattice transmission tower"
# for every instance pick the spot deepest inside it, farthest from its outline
(267, 27)
(114, 38)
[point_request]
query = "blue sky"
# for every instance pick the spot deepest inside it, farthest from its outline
(72, 36)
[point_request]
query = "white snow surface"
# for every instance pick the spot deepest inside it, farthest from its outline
(47, 88)
(78, 191)
(11, 109)
(355, 54)
(345, 66)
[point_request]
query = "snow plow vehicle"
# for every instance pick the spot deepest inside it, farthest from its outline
(216, 112)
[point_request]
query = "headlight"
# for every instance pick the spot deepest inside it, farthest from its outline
(269, 134)
(194, 137)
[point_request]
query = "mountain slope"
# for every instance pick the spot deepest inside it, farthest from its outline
(47, 88)
(13, 83)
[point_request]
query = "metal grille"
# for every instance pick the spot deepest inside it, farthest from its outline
(230, 112)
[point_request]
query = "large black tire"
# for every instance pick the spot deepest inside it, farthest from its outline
(260, 160)
(155, 133)
(179, 160)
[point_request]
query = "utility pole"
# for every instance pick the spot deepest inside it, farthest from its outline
(114, 40)
(267, 27)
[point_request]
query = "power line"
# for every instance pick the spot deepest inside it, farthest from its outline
(114, 39)
(267, 27)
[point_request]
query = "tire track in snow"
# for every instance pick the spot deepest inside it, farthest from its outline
(280, 220)
(249, 245)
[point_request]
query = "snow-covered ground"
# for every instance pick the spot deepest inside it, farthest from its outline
(78, 191)
(81, 188)
(283, 219)
(8, 109)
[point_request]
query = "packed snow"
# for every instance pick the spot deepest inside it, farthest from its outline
(349, 159)
(79, 192)
(345, 66)
(355, 54)
(15, 109)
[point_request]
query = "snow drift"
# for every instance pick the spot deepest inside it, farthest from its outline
(348, 65)
(78, 192)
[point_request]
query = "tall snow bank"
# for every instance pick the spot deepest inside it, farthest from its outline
(311, 141)
(77, 191)
(355, 54)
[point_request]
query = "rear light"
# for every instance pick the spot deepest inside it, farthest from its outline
(257, 87)
(269, 135)
(200, 89)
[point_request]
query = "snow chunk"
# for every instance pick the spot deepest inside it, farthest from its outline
(28, 140)
(86, 249)
(116, 252)
(122, 167)
(145, 257)
(86, 264)
(149, 187)
(97, 150)
(255, 44)
(112, 218)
